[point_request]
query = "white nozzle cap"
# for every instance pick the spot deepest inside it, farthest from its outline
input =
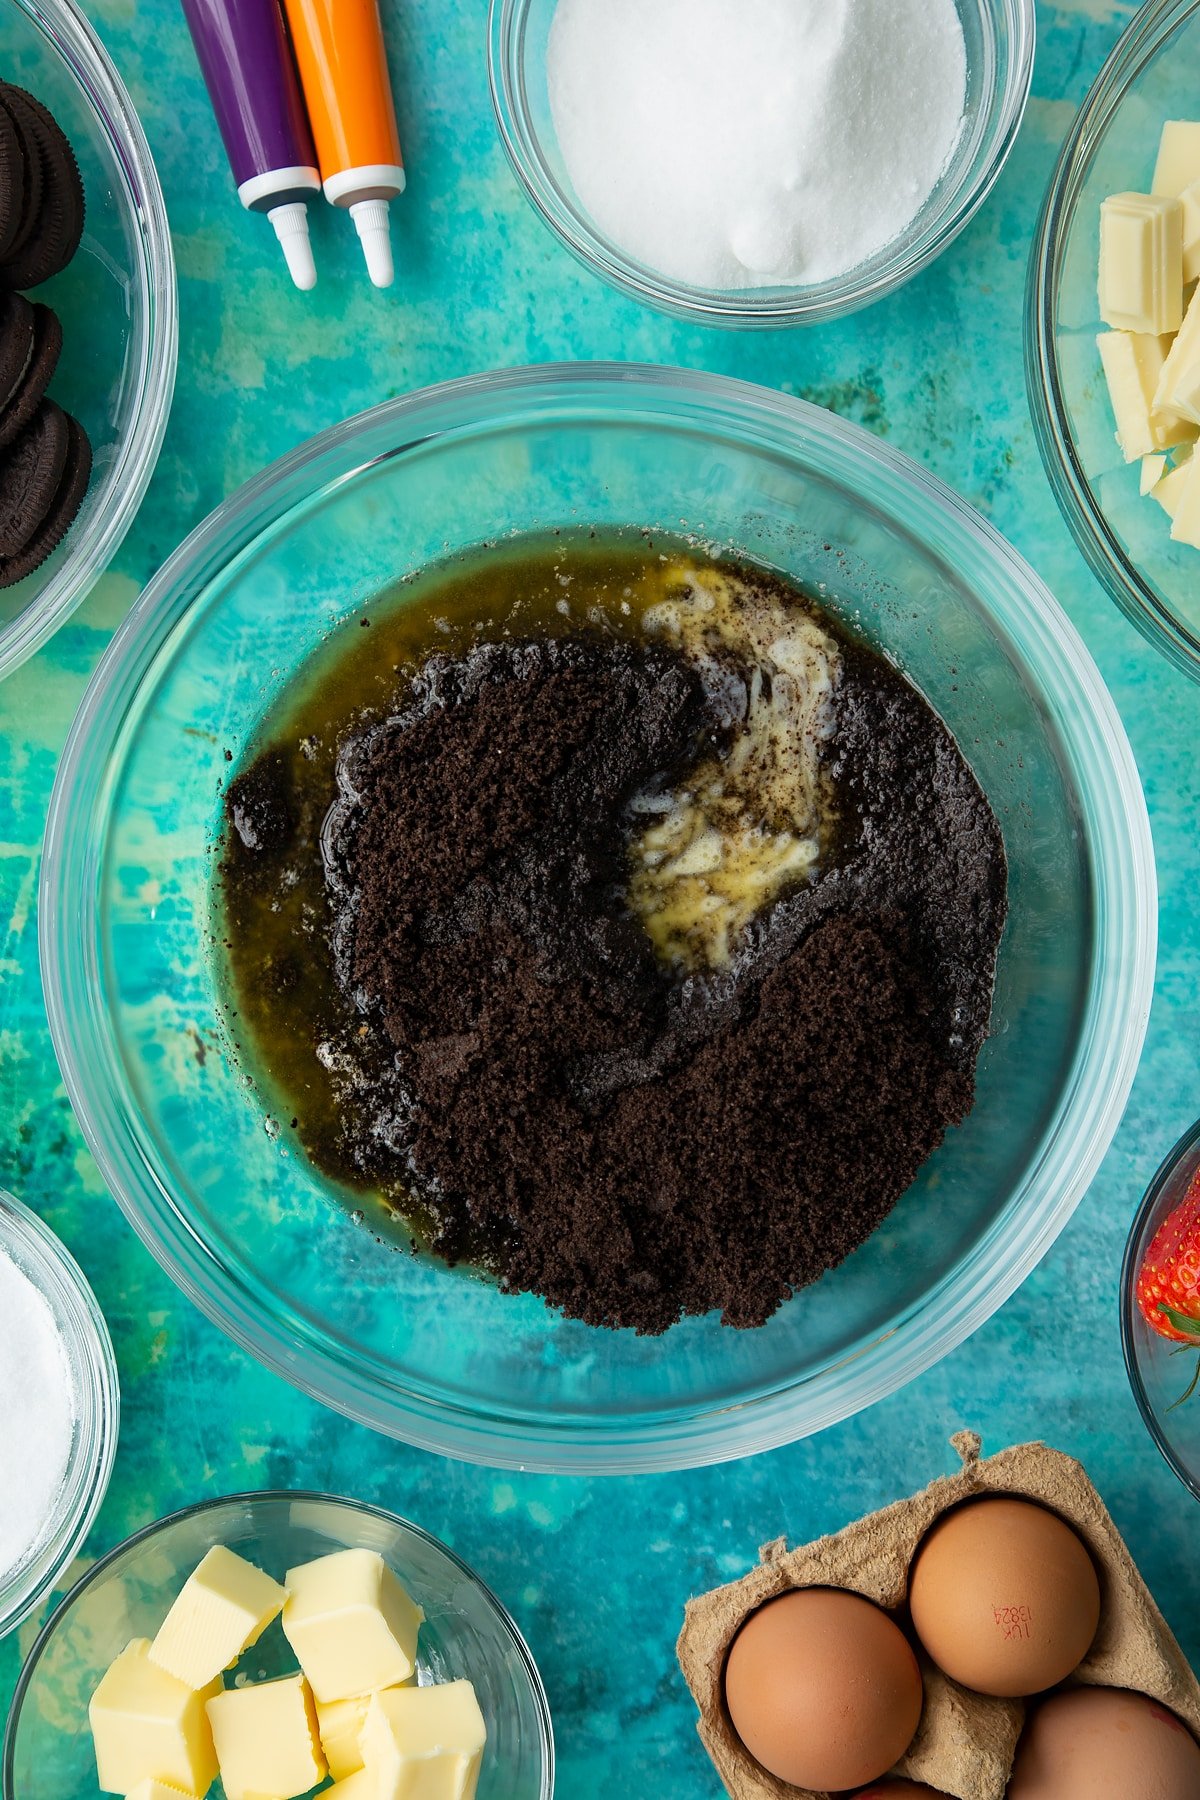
(291, 228)
(374, 228)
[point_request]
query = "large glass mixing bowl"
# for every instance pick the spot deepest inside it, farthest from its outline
(235, 1213)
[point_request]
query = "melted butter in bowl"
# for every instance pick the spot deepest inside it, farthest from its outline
(750, 823)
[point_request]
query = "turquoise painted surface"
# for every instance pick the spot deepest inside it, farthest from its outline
(596, 1572)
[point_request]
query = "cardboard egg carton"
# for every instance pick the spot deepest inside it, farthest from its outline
(966, 1742)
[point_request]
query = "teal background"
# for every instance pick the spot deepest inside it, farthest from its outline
(596, 1572)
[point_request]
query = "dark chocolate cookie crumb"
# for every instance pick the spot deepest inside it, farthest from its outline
(258, 805)
(633, 1144)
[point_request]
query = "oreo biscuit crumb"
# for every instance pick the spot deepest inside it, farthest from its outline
(586, 1123)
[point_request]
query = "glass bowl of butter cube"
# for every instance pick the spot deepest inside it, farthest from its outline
(1113, 328)
(273, 1645)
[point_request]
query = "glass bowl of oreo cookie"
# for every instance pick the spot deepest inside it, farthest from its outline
(597, 918)
(88, 317)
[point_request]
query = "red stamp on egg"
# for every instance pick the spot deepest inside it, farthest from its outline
(1015, 1622)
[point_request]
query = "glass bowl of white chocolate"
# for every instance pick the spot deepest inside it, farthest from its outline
(1113, 357)
(280, 1643)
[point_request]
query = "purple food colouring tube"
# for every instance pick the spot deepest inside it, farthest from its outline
(247, 67)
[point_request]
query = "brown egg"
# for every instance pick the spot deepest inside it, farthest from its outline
(1004, 1597)
(823, 1689)
(901, 1790)
(1104, 1741)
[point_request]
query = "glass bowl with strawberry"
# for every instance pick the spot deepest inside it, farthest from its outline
(1160, 1308)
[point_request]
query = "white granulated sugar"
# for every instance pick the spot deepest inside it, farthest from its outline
(748, 143)
(37, 1414)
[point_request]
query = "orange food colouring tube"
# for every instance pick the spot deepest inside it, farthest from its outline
(343, 70)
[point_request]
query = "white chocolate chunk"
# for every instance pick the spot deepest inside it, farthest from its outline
(425, 1743)
(1185, 394)
(154, 1790)
(223, 1608)
(147, 1726)
(1153, 470)
(266, 1739)
(1176, 389)
(1185, 520)
(1169, 491)
(1133, 367)
(1178, 164)
(1141, 263)
(1190, 202)
(351, 1624)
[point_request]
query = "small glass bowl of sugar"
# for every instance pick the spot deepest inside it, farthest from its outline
(771, 164)
(59, 1410)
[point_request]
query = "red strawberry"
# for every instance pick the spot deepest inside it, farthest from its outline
(1168, 1285)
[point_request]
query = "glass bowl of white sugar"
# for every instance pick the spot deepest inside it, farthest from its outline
(765, 163)
(59, 1410)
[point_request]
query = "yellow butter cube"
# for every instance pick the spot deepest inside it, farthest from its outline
(266, 1739)
(358, 1786)
(1178, 164)
(1141, 263)
(223, 1608)
(146, 1725)
(154, 1790)
(425, 1743)
(351, 1624)
(341, 1722)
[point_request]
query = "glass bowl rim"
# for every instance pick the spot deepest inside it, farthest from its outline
(249, 1498)
(1123, 878)
(1141, 40)
(63, 24)
(1188, 1146)
(99, 1409)
(776, 307)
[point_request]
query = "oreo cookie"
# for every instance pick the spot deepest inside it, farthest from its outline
(17, 335)
(45, 348)
(25, 123)
(48, 239)
(30, 473)
(66, 501)
(12, 181)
